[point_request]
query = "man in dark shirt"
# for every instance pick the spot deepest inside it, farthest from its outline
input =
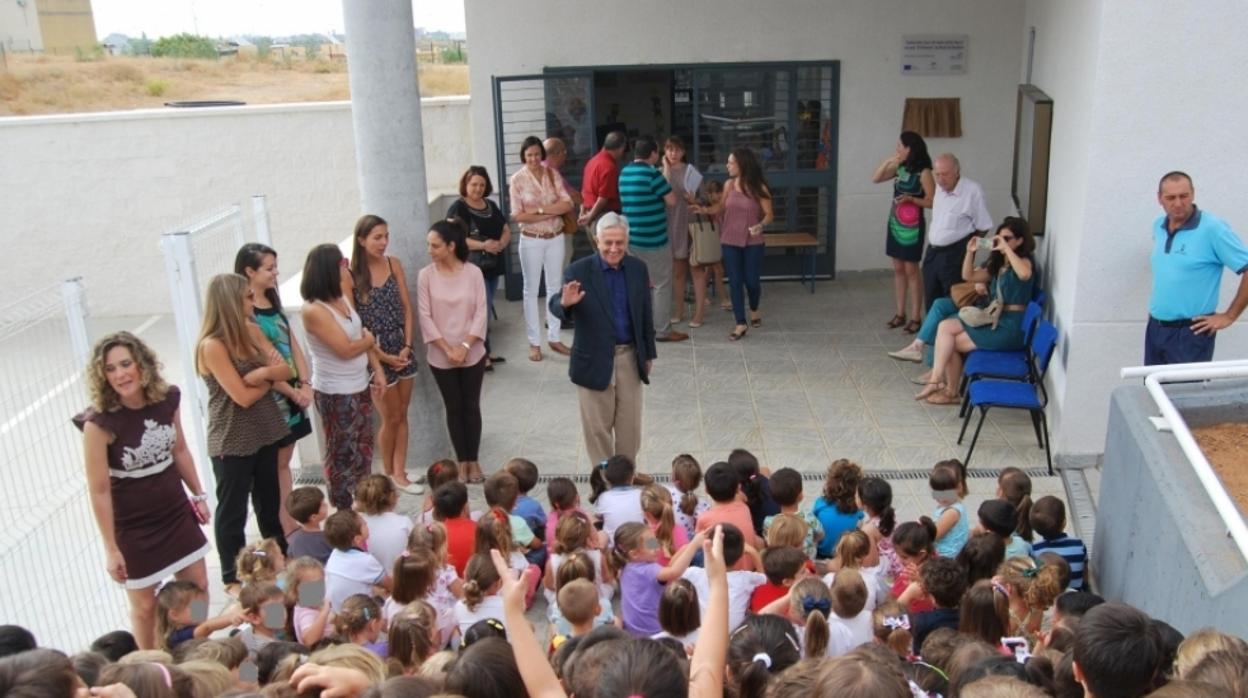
(608, 295)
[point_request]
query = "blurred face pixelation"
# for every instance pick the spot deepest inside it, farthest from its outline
(613, 245)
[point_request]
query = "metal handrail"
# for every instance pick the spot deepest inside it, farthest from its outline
(1154, 377)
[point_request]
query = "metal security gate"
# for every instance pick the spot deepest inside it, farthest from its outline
(543, 106)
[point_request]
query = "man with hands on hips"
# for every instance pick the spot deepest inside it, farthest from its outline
(608, 295)
(1190, 249)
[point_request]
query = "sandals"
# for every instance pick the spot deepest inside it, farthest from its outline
(737, 334)
(942, 398)
(694, 324)
(756, 320)
(897, 321)
(912, 327)
(725, 305)
(930, 389)
(535, 353)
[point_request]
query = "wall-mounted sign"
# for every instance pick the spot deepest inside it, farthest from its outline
(931, 54)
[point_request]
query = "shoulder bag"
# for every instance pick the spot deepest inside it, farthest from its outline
(704, 244)
(974, 316)
(964, 294)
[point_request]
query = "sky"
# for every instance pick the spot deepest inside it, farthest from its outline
(259, 17)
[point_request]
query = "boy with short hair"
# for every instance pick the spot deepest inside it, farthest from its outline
(579, 603)
(502, 489)
(528, 508)
(1048, 518)
(450, 506)
(786, 491)
(741, 583)
(849, 607)
(943, 580)
(723, 485)
(307, 505)
(350, 570)
(783, 566)
(1117, 652)
(264, 609)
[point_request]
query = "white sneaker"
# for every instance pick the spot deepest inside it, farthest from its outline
(910, 353)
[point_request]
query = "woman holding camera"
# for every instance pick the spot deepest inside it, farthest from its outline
(1008, 276)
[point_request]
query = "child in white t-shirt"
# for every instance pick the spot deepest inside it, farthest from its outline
(375, 499)
(350, 570)
(741, 584)
(853, 549)
(686, 504)
(616, 499)
(849, 607)
(481, 599)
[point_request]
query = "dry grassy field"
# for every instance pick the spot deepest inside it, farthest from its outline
(63, 84)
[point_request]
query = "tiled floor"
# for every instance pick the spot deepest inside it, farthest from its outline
(813, 384)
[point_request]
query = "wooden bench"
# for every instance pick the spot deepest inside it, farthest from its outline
(807, 246)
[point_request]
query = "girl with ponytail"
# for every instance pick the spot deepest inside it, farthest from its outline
(481, 599)
(810, 606)
(892, 628)
(634, 560)
(758, 649)
(656, 505)
(686, 477)
(1014, 486)
(875, 498)
(913, 542)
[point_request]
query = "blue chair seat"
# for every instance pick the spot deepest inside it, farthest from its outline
(1011, 393)
(996, 364)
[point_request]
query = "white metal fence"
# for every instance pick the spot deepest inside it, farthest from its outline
(194, 253)
(52, 577)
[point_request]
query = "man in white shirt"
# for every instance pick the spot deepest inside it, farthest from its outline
(958, 212)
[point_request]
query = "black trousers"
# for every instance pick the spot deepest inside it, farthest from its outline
(461, 393)
(238, 479)
(942, 268)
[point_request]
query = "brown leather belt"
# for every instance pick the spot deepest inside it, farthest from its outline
(1013, 308)
(540, 237)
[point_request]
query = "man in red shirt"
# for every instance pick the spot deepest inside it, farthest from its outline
(600, 183)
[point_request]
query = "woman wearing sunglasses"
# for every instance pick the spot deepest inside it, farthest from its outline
(1008, 275)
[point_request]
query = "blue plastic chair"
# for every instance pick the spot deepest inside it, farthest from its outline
(1017, 395)
(1008, 365)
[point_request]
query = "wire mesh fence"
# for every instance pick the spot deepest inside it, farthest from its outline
(194, 253)
(52, 577)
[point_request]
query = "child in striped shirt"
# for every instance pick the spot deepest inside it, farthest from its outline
(1048, 518)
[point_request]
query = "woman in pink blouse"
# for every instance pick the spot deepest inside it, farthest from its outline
(538, 203)
(450, 303)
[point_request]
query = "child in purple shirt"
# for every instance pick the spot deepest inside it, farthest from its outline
(633, 559)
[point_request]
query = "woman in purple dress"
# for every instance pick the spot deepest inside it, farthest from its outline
(139, 472)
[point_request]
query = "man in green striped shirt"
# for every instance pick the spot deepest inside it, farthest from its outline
(644, 198)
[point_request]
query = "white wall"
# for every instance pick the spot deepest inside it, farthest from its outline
(1128, 107)
(19, 27)
(90, 194)
(865, 37)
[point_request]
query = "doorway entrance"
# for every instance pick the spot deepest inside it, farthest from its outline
(787, 113)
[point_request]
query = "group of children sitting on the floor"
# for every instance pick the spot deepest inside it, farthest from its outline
(937, 604)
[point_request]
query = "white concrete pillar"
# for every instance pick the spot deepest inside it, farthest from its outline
(390, 159)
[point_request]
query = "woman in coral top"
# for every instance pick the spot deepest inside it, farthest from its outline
(451, 307)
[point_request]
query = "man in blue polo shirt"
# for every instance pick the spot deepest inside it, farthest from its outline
(1190, 248)
(644, 198)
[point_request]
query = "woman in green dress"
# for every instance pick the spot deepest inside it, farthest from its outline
(1008, 274)
(910, 169)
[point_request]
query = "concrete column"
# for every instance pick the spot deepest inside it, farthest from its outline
(390, 158)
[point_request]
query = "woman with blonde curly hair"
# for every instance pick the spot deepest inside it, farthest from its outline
(245, 426)
(139, 472)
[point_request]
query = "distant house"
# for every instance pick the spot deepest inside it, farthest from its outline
(237, 46)
(116, 44)
(333, 47)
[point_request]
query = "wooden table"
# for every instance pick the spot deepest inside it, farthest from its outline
(806, 245)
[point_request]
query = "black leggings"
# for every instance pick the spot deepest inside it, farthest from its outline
(238, 478)
(461, 393)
